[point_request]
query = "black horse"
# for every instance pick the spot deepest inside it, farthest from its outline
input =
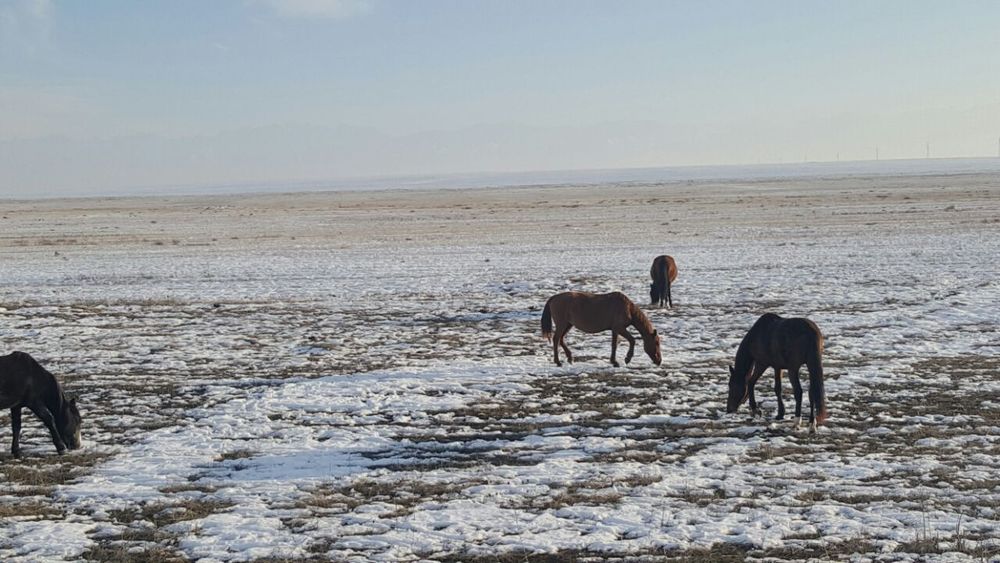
(663, 272)
(24, 383)
(779, 343)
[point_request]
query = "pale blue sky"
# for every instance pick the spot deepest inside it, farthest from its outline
(112, 94)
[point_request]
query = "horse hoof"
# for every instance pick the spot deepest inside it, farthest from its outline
(779, 417)
(615, 364)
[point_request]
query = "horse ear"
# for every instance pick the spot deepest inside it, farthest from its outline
(654, 332)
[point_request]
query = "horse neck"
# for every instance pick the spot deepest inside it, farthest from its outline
(641, 322)
(744, 360)
(53, 394)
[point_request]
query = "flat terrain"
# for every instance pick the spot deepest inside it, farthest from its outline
(360, 375)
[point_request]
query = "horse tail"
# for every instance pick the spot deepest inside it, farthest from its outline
(547, 321)
(666, 274)
(660, 272)
(816, 390)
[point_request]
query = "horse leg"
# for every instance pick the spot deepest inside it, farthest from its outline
(777, 393)
(15, 426)
(562, 342)
(793, 376)
(812, 407)
(557, 340)
(50, 423)
(555, 345)
(758, 370)
(631, 344)
(614, 347)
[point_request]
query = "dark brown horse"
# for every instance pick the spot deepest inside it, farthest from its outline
(598, 313)
(781, 344)
(24, 383)
(663, 272)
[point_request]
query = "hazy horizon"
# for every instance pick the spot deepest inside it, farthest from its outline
(121, 96)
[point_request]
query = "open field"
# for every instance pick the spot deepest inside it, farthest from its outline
(360, 376)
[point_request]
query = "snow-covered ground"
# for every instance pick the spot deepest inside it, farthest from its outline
(361, 376)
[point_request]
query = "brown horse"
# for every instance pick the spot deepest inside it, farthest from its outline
(775, 342)
(25, 383)
(663, 272)
(598, 313)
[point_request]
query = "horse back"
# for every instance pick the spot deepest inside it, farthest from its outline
(663, 268)
(22, 377)
(789, 343)
(590, 312)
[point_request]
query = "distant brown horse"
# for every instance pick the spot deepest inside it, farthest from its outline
(663, 272)
(775, 342)
(598, 313)
(25, 383)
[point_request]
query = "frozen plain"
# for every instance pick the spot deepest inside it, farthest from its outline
(360, 375)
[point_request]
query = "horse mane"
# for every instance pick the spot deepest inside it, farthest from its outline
(744, 362)
(640, 320)
(53, 394)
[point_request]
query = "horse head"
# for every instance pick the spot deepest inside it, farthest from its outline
(654, 294)
(739, 390)
(652, 347)
(68, 423)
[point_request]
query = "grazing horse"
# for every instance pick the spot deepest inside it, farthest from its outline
(663, 272)
(25, 383)
(597, 313)
(775, 342)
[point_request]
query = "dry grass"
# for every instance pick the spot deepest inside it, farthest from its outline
(142, 543)
(583, 496)
(111, 552)
(165, 514)
(718, 553)
(31, 476)
(405, 494)
(188, 488)
(236, 454)
(23, 509)
(819, 550)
